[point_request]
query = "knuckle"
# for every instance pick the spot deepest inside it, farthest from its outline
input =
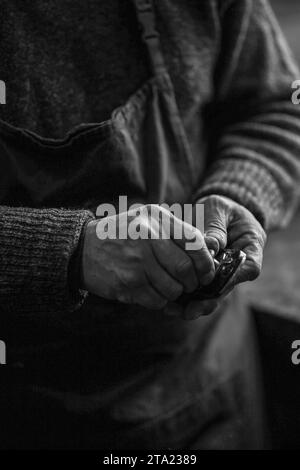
(133, 279)
(258, 246)
(262, 237)
(220, 235)
(257, 235)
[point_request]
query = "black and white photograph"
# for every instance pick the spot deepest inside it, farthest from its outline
(149, 228)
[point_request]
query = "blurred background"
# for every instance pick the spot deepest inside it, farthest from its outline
(278, 289)
(288, 13)
(275, 299)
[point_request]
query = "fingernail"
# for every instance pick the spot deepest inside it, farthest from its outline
(208, 278)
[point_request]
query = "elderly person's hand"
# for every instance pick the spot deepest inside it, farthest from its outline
(150, 271)
(228, 224)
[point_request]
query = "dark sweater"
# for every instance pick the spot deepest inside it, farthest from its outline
(67, 62)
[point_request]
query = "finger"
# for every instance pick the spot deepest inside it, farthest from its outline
(251, 269)
(192, 241)
(176, 262)
(215, 225)
(204, 265)
(162, 282)
(148, 297)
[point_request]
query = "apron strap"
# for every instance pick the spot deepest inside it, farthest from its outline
(146, 17)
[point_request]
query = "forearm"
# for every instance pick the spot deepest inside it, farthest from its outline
(256, 164)
(36, 248)
(253, 125)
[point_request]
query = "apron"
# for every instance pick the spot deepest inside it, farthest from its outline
(110, 375)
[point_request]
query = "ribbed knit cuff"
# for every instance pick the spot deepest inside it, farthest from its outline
(250, 185)
(36, 247)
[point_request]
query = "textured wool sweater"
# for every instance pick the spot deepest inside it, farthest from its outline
(68, 62)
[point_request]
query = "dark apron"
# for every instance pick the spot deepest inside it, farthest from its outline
(115, 376)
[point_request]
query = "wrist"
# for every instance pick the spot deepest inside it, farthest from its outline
(75, 272)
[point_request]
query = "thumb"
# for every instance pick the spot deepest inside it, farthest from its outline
(215, 226)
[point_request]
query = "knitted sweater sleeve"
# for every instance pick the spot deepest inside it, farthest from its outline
(253, 125)
(36, 248)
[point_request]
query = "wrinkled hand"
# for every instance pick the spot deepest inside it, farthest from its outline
(228, 224)
(148, 272)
